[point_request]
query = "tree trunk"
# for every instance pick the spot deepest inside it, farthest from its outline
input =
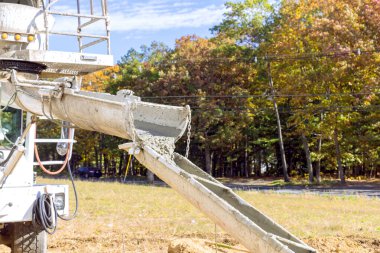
(212, 163)
(318, 163)
(267, 166)
(259, 163)
(149, 176)
(222, 165)
(282, 150)
(208, 159)
(121, 163)
(132, 168)
(215, 164)
(339, 157)
(101, 164)
(246, 171)
(106, 165)
(363, 165)
(308, 158)
(96, 156)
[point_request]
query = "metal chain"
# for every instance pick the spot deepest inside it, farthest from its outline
(131, 121)
(188, 134)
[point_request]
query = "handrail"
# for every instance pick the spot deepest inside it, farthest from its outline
(90, 19)
(76, 15)
(80, 35)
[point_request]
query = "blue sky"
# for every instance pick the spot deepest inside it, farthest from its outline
(138, 22)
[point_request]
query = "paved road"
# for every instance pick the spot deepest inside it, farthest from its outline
(361, 189)
(369, 190)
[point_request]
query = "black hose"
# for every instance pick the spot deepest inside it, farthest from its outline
(75, 194)
(3, 163)
(45, 214)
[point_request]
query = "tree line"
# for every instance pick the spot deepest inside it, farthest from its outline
(287, 89)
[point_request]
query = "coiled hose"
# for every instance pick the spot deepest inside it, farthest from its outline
(45, 214)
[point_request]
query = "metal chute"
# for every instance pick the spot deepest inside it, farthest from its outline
(123, 115)
(253, 229)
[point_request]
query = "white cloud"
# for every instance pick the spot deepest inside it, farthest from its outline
(154, 19)
(152, 15)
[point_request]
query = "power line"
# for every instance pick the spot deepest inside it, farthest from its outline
(292, 110)
(259, 96)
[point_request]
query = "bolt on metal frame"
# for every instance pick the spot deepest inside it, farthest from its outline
(84, 20)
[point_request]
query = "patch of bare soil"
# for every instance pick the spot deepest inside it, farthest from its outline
(188, 245)
(349, 244)
(344, 244)
(322, 245)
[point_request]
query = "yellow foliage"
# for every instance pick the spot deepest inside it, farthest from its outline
(98, 81)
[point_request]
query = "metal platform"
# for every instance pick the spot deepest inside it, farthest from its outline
(65, 63)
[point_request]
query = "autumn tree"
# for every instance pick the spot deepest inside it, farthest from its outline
(330, 35)
(319, 50)
(193, 74)
(307, 67)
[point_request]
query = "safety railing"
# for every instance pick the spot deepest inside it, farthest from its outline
(86, 17)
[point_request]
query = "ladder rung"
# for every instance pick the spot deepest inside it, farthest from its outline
(50, 163)
(88, 23)
(54, 140)
(93, 43)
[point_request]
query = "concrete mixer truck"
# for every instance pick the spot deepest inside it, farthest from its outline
(39, 83)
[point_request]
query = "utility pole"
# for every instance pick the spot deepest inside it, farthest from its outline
(281, 142)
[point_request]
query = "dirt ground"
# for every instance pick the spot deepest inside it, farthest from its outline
(325, 245)
(124, 218)
(350, 244)
(196, 245)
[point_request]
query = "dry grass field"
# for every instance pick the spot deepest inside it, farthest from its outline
(117, 217)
